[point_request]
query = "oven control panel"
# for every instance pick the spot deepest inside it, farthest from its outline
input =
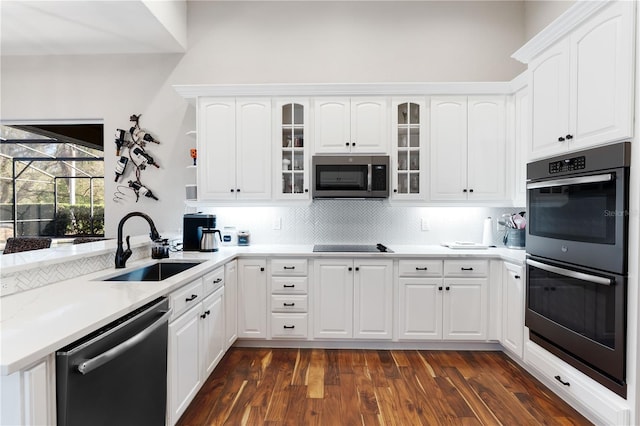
(567, 165)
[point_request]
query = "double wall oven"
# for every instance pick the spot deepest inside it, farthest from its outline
(577, 244)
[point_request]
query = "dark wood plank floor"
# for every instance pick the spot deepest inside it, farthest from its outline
(373, 387)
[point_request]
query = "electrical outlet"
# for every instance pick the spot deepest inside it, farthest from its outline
(424, 224)
(277, 224)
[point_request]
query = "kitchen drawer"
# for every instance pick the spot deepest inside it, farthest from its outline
(289, 285)
(186, 297)
(610, 408)
(213, 281)
(466, 268)
(289, 267)
(289, 303)
(289, 325)
(420, 268)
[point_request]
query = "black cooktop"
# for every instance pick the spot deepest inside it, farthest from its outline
(351, 248)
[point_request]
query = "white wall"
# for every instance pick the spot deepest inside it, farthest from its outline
(258, 42)
(540, 13)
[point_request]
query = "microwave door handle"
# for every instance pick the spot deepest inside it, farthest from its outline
(606, 177)
(571, 274)
(369, 169)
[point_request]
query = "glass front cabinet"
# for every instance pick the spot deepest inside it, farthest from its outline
(292, 162)
(409, 137)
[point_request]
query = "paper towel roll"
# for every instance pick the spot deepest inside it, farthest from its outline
(487, 232)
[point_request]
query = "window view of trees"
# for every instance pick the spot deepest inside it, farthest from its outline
(59, 186)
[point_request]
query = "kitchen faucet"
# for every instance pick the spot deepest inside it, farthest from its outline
(123, 255)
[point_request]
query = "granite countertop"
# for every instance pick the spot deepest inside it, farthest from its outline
(35, 323)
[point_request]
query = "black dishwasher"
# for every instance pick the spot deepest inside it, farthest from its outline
(118, 374)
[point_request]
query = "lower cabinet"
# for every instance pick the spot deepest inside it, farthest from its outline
(513, 305)
(353, 298)
(252, 298)
(28, 396)
(449, 307)
(196, 345)
(231, 302)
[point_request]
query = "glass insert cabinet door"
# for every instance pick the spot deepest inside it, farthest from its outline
(408, 127)
(293, 179)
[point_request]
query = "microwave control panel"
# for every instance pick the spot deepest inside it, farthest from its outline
(567, 165)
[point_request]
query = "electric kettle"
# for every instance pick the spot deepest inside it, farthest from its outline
(208, 241)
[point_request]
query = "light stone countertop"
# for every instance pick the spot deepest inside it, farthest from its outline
(36, 323)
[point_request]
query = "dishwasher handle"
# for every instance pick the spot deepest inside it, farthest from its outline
(89, 365)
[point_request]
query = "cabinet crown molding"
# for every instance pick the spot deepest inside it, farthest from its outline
(193, 91)
(563, 25)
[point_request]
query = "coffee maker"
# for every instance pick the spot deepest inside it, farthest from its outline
(192, 229)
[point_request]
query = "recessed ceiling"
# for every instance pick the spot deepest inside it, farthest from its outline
(92, 27)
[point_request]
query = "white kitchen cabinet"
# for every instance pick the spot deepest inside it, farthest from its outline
(373, 299)
(213, 331)
(333, 298)
(196, 339)
(28, 396)
(353, 298)
(513, 308)
(184, 363)
(582, 86)
(409, 139)
(291, 161)
(433, 307)
(234, 139)
(289, 298)
(231, 302)
(468, 148)
(252, 298)
(420, 308)
(351, 125)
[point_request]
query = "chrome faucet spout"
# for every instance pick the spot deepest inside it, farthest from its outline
(121, 254)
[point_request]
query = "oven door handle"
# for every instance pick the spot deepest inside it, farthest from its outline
(606, 177)
(571, 274)
(369, 177)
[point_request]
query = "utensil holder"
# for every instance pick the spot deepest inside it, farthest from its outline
(515, 238)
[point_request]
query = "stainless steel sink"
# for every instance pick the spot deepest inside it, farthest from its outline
(157, 272)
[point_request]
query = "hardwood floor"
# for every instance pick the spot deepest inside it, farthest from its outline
(373, 387)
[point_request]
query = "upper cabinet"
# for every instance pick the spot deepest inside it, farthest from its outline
(409, 139)
(582, 86)
(234, 139)
(468, 148)
(351, 125)
(291, 123)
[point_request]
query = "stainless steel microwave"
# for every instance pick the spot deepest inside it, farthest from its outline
(350, 176)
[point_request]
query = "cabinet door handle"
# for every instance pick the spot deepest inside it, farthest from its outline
(350, 269)
(289, 267)
(353, 144)
(346, 144)
(558, 378)
(569, 137)
(238, 190)
(289, 285)
(471, 190)
(357, 268)
(289, 326)
(464, 190)
(306, 190)
(189, 299)
(232, 190)
(560, 139)
(395, 190)
(205, 314)
(289, 304)
(517, 277)
(466, 269)
(421, 269)
(447, 288)
(217, 280)
(261, 269)
(440, 288)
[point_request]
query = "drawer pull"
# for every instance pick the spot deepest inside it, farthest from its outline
(558, 378)
(289, 304)
(289, 285)
(218, 280)
(289, 326)
(466, 269)
(289, 268)
(205, 314)
(421, 269)
(189, 299)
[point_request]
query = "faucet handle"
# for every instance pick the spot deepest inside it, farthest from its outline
(127, 253)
